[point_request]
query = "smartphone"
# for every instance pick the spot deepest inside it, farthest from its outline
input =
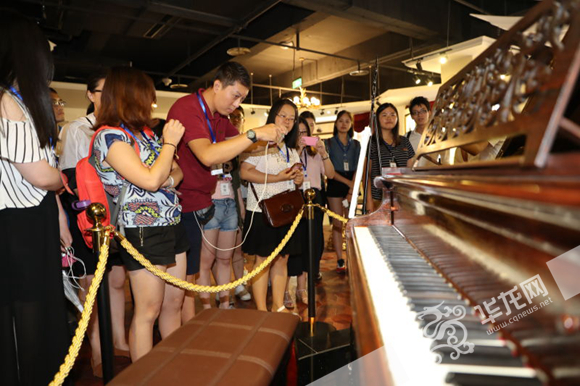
(310, 141)
(298, 166)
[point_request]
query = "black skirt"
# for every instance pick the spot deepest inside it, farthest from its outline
(32, 305)
(262, 239)
(338, 189)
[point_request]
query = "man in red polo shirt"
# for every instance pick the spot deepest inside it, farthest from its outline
(204, 115)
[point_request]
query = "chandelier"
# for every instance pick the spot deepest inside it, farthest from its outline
(304, 102)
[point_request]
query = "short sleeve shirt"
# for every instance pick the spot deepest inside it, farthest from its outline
(198, 183)
(19, 143)
(313, 169)
(344, 158)
(399, 154)
(273, 163)
(77, 139)
(141, 208)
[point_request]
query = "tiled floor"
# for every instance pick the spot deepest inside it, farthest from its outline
(333, 307)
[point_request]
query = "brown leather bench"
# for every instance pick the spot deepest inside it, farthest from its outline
(217, 347)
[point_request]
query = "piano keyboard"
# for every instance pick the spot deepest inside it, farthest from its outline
(403, 284)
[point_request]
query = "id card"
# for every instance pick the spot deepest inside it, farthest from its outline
(225, 189)
(217, 169)
(393, 164)
(346, 168)
(290, 184)
(306, 185)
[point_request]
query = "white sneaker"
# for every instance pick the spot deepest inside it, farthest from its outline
(243, 293)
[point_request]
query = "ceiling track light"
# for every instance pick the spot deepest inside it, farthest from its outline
(359, 72)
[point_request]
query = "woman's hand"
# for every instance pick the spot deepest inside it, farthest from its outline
(173, 131)
(301, 145)
(286, 175)
(321, 148)
(299, 178)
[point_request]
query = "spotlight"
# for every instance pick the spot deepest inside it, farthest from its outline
(253, 112)
(443, 59)
(322, 112)
(419, 65)
(429, 83)
(336, 111)
(167, 81)
(417, 80)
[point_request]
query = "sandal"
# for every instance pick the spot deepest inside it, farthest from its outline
(288, 302)
(284, 310)
(97, 369)
(302, 295)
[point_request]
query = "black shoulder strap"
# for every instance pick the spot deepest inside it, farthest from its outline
(409, 134)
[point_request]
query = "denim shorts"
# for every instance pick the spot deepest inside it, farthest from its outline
(225, 217)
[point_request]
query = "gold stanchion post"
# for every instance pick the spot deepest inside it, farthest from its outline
(97, 214)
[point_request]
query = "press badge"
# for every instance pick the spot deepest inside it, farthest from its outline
(346, 169)
(306, 185)
(225, 189)
(217, 169)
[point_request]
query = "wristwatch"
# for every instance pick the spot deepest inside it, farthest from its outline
(251, 134)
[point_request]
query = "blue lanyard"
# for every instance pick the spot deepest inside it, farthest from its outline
(390, 149)
(287, 153)
(16, 93)
(305, 162)
(344, 150)
(206, 117)
(149, 142)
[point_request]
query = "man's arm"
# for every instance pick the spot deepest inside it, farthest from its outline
(214, 153)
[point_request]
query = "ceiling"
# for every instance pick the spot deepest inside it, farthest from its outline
(186, 40)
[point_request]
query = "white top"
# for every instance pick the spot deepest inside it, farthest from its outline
(19, 144)
(76, 141)
(276, 163)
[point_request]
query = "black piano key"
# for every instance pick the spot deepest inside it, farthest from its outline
(462, 379)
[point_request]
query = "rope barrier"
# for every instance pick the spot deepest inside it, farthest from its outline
(77, 341)
(330, 213)
(210, 289)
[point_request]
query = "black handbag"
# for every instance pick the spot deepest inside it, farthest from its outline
(282, 208)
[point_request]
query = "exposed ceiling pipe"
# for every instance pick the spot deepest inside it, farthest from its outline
(297, 48)
(474, 7)
(263, 8)
(121, 15)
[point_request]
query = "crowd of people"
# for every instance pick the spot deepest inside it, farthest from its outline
(188, 197)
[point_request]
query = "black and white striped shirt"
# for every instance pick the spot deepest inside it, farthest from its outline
(19, 144)
(399, 154)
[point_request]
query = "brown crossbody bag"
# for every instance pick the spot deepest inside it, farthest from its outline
(282, 208)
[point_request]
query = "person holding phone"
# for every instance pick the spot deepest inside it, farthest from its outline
(317, 164)
(277, 168)
(344, 152)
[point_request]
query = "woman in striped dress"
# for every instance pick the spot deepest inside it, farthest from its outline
(33, 327)
(394, 150)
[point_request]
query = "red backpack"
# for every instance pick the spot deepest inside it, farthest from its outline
(91, 188)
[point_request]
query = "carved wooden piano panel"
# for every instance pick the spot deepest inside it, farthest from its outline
(476, 232)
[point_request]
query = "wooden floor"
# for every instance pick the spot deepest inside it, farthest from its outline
(333, 307)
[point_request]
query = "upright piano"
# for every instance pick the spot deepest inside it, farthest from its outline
(469, 272)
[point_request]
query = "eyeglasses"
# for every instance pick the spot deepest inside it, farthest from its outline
(58, 102)
(418, 112)
(287, 119)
